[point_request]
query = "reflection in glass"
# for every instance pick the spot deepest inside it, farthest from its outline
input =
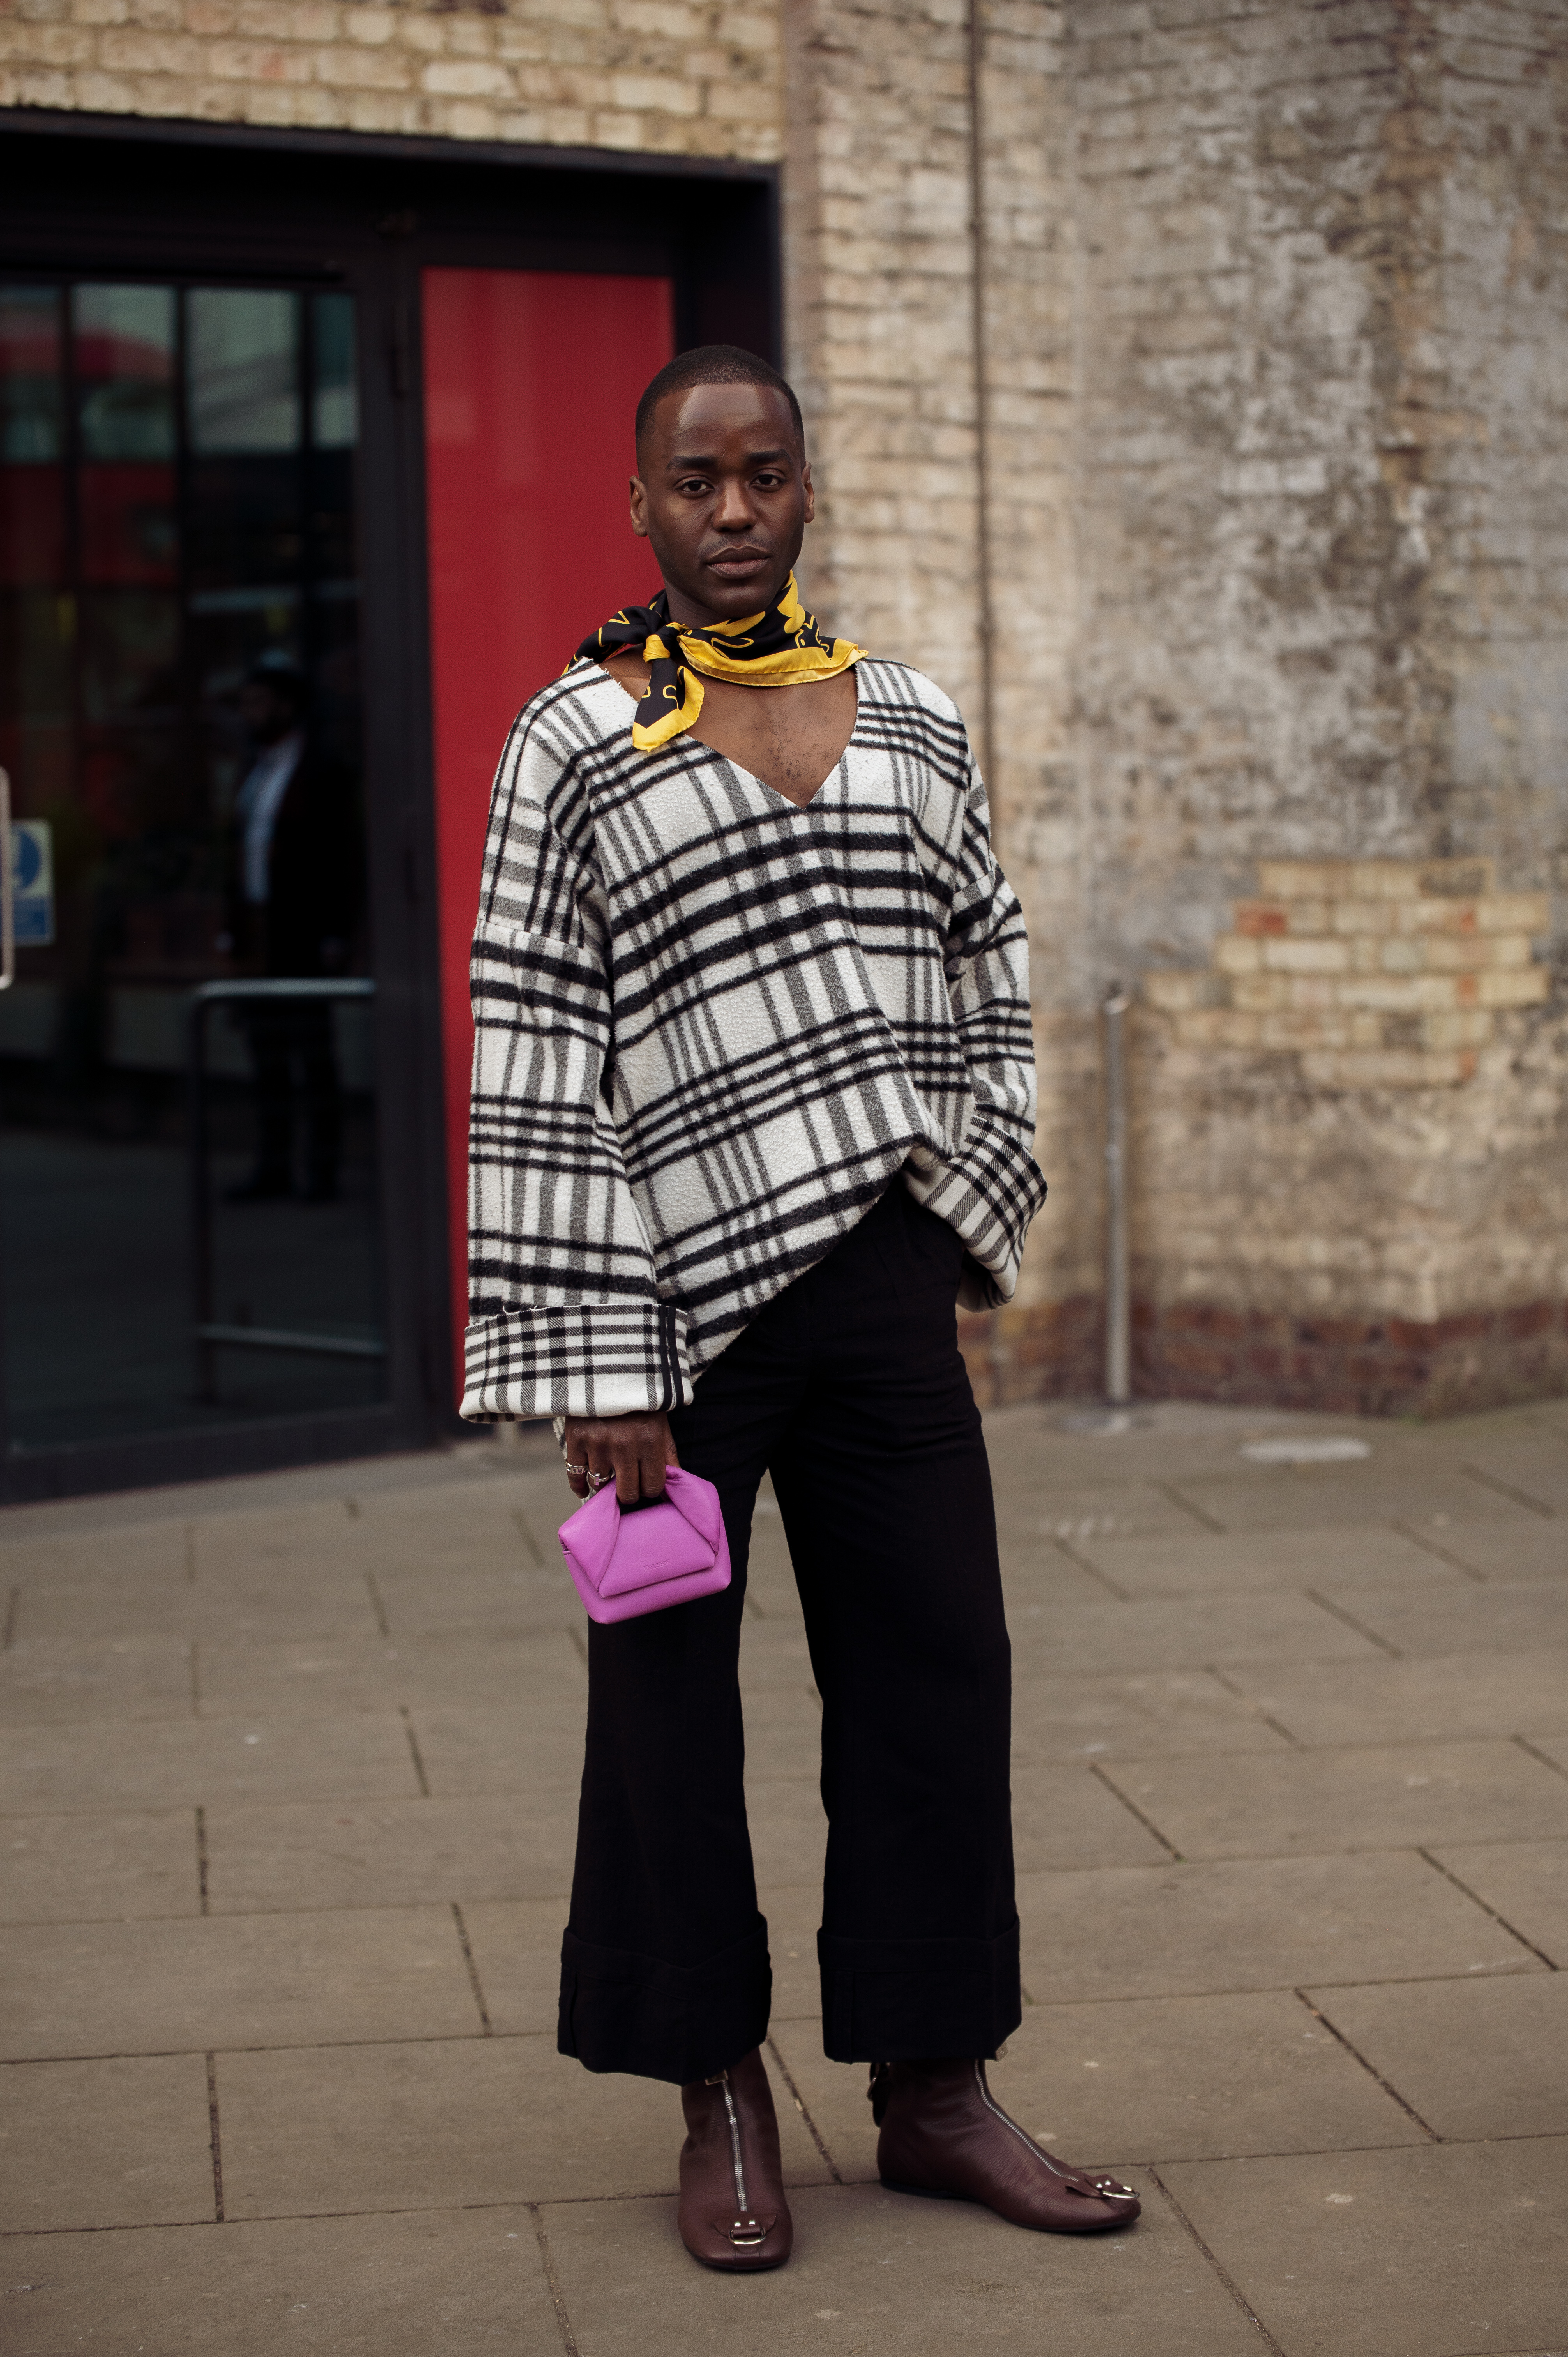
(176, 511)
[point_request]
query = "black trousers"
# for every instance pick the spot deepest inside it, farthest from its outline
(849, 1388)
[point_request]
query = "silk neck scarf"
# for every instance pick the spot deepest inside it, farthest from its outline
(779, 647)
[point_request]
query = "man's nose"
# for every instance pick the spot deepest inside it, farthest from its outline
(733, 512)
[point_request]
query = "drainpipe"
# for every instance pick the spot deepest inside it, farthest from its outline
(978, 274)
(1118, 1289)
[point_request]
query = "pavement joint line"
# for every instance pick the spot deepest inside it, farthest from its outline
(526, 1528)
(1268, 1719)
(557, 2296)
(202, 1862)
(473, 1981)
(1097, 1768)
(1351, 1623)
(785, 2074)
(1386, 2084)
(1229, 2280)
(195, 1691)
(1506, 1490)
(1437, 1863)
(383, 1625)
(405, 1715)
(1168, 1490)
(1093, 1569)
(1545, 1758)
(1423, 1539)
(9, 1635)
(217, 2139)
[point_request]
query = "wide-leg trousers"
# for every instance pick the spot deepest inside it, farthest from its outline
(849, 1388)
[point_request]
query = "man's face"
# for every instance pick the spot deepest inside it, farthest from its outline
(266, 715)
(725, 498)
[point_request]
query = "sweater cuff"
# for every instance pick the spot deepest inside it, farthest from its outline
(585, 1359)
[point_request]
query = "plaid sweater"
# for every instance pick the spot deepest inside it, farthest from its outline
(711, 1026)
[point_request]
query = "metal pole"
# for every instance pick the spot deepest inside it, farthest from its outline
(1118, 1293)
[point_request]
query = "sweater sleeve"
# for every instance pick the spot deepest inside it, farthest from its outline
(564, 1312)
(991, 1188)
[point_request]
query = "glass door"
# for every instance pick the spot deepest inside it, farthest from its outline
(189, 1233)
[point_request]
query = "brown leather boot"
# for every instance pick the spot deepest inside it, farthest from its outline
(732, 2210)
(945, 2135)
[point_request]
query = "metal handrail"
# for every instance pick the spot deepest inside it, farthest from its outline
(207, 1331)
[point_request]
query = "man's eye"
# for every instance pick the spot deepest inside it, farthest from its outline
(769, 483)
(693, 487)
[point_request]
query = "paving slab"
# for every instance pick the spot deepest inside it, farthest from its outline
(1080, 1514)
(1391, 1796)
(389, 1853)
(1216, 1563)
(775, 1653)
(1526, 1883)
(1304, 1496)
(788, 1830)
(879, 2275)
(306, 1677)
(1125, 1932)
(437, 2126)
(163, 1764)
(1416, 1701)
(1039, 1578)
(1191, 1633)
(61, 1869)
(233, 1981)
(1473, 2058)
(1530, 1465)
(1463, 1618)
(421, 2286)
(126, 2142)
(1427, 2251)
(478, 1595)
(516, 1947)
(794, 1911)
(158, 1549)
(1064, 1816)
(270, 1539)
(303, 1599)
(1150, 1715)
(504, 1748)
(1507, 1551)
(1153, 2079)
(59, 1683)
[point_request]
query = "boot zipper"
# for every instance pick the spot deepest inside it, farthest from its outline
(744, 2234)
(733, 2144)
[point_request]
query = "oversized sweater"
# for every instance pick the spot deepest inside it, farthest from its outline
(711, 1027)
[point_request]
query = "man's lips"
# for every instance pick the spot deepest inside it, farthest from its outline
(737, 560)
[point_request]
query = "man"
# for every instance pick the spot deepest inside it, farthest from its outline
(297, 893)
(753, 1104)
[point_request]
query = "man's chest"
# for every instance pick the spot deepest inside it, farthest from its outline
(792, 738)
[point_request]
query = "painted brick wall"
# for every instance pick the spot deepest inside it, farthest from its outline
(683, 77)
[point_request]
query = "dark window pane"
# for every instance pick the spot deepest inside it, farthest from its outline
(32, 485)
(243, 371)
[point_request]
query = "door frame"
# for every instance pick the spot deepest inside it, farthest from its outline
(128, 197)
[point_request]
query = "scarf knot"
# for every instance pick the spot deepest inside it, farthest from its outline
(780, 647)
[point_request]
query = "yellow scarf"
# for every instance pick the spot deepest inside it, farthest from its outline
(779, 647)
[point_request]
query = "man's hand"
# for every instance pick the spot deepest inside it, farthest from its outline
(635, 1448)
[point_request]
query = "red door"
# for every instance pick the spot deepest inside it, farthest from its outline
(530, 381)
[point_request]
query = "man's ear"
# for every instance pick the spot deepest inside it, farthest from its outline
(810, 492)
(638, 495)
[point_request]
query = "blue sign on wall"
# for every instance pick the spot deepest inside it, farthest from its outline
(33, 883)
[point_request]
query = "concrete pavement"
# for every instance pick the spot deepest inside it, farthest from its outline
(287, 1772)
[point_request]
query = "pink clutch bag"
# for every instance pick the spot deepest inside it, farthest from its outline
(624, 1565)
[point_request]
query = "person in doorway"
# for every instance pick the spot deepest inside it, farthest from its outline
(297, 893)
(753, 1107)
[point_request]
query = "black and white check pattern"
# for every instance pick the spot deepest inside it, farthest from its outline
(711, 1026)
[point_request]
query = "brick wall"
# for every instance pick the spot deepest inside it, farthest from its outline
(683, 77)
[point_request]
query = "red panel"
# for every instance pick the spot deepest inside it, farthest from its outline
(530, 381)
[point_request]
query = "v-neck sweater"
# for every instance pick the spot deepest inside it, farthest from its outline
(712, 1026)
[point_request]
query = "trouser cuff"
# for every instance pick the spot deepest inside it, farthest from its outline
(895, 2000)
(623, 2011)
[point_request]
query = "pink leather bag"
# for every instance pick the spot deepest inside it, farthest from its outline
(624, 1565)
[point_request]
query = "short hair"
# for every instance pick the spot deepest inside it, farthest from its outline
(713, 364)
